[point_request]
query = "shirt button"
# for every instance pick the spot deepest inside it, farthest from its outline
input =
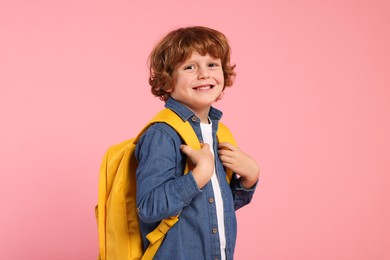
(211, 200)
(194, 119)
(215, 230)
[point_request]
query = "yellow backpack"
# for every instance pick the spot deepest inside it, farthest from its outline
(116, 211)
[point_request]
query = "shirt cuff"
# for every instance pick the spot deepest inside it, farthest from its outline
(239, 186)
(187, 187)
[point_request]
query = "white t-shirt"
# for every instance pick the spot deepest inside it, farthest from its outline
(208, 138)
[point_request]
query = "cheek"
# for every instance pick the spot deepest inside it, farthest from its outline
(173, 82)
(184, 79)
(221, 78)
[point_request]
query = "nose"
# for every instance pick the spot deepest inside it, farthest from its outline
(203, 73)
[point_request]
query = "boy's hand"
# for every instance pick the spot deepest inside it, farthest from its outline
(239, 162)
(203, 161)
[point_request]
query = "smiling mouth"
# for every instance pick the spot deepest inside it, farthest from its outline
(205, 87)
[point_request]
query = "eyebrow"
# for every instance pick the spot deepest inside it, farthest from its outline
(208, 60)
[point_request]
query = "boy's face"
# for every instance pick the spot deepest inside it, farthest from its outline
(198, 82)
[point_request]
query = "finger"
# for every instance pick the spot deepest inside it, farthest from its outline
(205, 146)
(228, 165)
(226, 145)
(186, 149)
(226, 152)
(227, 159)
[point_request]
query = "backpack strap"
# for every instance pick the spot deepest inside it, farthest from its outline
(184, 129)
(224, 135)
(186, 132)
(157, 236)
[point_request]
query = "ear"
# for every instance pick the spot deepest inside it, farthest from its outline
(220, 96)
(170, 89)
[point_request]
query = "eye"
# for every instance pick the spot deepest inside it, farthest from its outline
(214, 64)
(189, 67)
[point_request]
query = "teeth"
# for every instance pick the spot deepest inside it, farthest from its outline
(203, 88)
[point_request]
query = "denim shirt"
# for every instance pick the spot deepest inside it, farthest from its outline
(163, 191)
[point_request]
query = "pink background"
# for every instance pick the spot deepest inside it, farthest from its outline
(311, 103)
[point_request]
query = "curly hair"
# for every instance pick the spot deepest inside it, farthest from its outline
(177, 46)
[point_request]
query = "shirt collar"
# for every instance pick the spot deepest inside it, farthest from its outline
(185, 113)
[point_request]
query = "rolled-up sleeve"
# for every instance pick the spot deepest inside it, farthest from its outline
(241, 196)
(162, 189)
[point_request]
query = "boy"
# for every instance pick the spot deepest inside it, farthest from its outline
(189, 70)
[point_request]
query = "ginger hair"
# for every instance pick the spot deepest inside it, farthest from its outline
(177, 46)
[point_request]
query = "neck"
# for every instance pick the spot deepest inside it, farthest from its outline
(204, 118)
(203, 115)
